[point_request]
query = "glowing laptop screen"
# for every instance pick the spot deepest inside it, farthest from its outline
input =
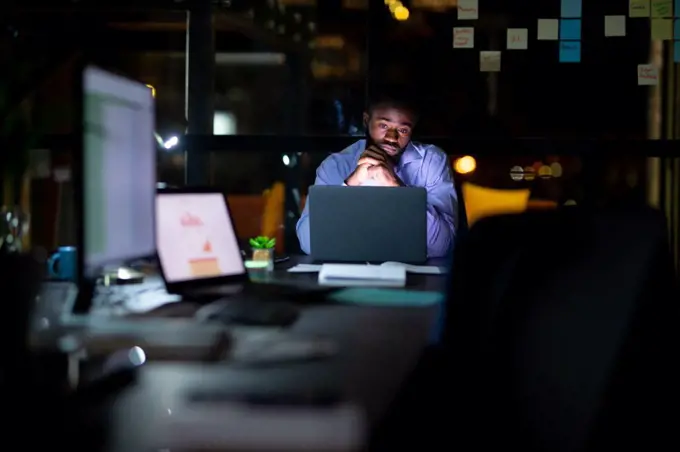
(195, 237)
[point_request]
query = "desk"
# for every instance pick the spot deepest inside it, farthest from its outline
(379, 347)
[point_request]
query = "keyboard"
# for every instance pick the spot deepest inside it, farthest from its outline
(295, 293)
(56, 298)
(249, 310)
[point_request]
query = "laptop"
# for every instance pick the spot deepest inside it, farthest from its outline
(368, 224)
(198, 250)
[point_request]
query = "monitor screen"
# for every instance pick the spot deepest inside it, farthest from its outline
(119, 170)
(195, 237)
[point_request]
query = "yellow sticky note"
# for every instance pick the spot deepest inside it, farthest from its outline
(662, 29)
(638, 8)
(662, 8)
(490, 61)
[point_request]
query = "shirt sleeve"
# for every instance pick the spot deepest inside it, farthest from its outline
(328, 173)
(442, 204)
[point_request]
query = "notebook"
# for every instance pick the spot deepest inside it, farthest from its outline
(362, 275)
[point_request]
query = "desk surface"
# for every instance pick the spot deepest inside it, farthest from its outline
(379, 346)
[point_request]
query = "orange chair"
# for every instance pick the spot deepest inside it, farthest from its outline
(272, 215)
(541, 204)
(256, 215)
(246, 211)
(482, 202)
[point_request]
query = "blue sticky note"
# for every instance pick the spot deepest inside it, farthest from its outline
(676, 29)
(393, 298)
(676, 51)
(677, 8)
(570, 51)
(571, 8)
(570, 29)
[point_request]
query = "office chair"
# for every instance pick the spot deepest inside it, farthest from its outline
(561, 333)
(461, 219)
(33, 382)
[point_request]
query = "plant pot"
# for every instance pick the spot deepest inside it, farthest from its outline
(263, 258)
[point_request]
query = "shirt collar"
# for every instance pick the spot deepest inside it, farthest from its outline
(413, 152)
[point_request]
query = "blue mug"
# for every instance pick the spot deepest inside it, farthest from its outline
(63, 264)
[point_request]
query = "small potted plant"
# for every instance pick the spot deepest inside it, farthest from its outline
(263, 251)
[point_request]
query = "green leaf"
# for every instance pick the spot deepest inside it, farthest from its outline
(262, 242)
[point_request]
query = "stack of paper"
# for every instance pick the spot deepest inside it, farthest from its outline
(415, 269)
(305, 268)
(362, 275)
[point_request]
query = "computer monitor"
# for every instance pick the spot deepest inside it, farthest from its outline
(118, 171)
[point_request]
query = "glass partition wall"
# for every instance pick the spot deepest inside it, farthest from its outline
(576, 105)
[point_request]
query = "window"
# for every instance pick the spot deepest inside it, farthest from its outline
(291, 67)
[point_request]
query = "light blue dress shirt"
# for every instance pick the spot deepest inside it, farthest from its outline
(421, 165)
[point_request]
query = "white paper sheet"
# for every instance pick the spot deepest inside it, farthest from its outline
(305, 268)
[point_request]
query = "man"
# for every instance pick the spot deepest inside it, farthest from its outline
(390, 159)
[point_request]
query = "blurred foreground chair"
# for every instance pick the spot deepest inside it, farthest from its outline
(34, 383)
(561, 335)
(563, 328)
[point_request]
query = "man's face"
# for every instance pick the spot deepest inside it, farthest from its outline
(390, 128)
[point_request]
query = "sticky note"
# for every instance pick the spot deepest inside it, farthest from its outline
(676, 52)
(648, 74)
(662, 29)
(570, 29)
(518, 38)
(661, 8)
(638, 8)
(570, 51)
(676, 30)
(677, 8)
(570, 8)
(490, 61)
(468, 9)
(463, 38)
(614, 26)
(548, 29)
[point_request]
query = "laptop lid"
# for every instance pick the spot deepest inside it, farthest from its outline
(368, 224)
(196, 240)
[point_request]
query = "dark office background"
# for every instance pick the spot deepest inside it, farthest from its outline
(291, 79)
